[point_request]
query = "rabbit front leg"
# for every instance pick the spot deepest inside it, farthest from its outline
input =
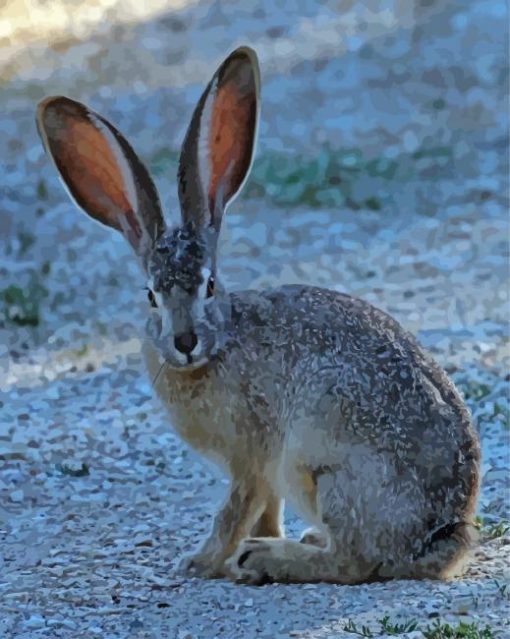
(270, 523)
(246, 502)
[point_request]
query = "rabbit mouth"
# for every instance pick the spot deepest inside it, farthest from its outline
(192, 364)
(195, 362)
(185, 361)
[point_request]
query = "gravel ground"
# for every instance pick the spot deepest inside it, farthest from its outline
(98, 498)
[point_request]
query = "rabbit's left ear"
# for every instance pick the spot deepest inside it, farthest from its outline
(218, 147)
(101, 171)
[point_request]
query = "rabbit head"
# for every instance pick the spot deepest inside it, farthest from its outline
(189, 307)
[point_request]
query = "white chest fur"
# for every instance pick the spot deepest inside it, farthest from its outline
(199, 405)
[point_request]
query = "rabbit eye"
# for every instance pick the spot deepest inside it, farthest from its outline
(210, 287)
(152, 298)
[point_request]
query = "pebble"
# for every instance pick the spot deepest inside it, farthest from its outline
(17, 496)
(34, 622)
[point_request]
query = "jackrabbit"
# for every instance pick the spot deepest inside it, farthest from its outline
(297, 392)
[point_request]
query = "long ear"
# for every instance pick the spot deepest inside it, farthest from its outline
(101, 171)
(218, 147)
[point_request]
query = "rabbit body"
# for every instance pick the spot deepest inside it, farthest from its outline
(298, 393)
(316, 386)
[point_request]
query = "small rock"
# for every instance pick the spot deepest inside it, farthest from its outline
(136, 625)
(35, 621)
(17, 496)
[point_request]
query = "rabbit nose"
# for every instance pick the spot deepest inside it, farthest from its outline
(185, 342)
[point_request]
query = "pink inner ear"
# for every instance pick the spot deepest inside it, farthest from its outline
(231, 139)
(88, 165)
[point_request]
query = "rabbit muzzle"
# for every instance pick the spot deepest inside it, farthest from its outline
(187, 337)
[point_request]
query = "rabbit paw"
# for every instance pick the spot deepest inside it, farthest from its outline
(200, 565)
(252, 562)
(314, 537)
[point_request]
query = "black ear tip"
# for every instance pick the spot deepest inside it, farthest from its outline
(241, 67)
(46, 113)
(244, 55)
(46, 106)
(51, 108)
(245, 52)
(54, 102)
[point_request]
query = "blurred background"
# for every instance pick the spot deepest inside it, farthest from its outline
(381, 171)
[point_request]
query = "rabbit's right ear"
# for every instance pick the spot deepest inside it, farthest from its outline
(218, 147)
(101, 171)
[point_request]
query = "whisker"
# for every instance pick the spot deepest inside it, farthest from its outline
(158, 373)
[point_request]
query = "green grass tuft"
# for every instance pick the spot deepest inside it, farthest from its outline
(386, 627)
(394, 628)
(461, 631)
(26, 239)
(438, 630)
(42, 190)
(332, 179)
(71, 471)
(363, 631)
(494, 531)
(21, 305)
